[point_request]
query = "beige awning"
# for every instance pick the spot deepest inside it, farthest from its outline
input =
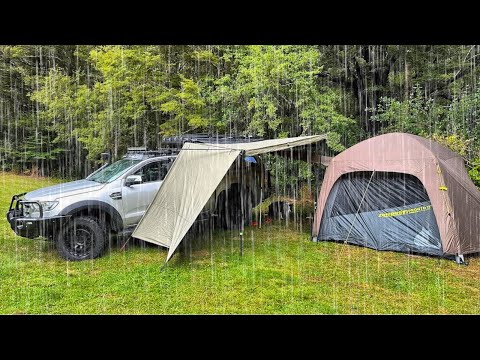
(265, 146)
(191, 181)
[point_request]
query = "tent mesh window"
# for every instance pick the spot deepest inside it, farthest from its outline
(383, 211)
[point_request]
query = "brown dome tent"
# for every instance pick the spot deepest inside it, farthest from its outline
(400, 192)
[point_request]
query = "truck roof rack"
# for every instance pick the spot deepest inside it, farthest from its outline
(173, 144)
(137, 149)
(142, 152)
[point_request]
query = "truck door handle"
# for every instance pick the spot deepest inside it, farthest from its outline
(116, 195)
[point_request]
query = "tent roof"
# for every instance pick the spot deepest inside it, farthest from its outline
(191, 181)
(396, 146)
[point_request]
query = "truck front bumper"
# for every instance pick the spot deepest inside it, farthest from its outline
(33, 227)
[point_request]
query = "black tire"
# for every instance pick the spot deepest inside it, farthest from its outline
(81, 239)
(221, 221)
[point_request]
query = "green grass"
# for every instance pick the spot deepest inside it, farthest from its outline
(280, 271)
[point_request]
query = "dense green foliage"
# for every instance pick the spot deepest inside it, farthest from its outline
(280, 272)
(61, 106)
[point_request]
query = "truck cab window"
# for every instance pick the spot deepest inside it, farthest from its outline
(155, 171)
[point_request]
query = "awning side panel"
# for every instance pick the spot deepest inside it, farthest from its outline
(194, 176)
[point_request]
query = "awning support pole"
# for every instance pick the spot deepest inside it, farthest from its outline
(242, 194)
(241, 243)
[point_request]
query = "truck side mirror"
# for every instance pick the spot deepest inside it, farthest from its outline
(133, 180)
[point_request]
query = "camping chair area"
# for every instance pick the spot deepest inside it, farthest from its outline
(280, 271)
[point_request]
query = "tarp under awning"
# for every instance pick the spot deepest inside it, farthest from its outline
(191, 181)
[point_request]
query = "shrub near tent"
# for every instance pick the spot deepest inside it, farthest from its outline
(400, 192)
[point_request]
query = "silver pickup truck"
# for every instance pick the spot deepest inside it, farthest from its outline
(81, 216)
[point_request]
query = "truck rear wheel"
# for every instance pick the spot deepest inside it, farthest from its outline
(81, 239)
(229, 207)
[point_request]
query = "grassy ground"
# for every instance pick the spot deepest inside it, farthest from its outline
(280, 271)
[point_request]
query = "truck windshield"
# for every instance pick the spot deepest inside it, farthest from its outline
(113, 171)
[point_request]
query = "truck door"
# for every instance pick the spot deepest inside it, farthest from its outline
(137, 198)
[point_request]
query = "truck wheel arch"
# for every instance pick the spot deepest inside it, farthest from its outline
(116, 221)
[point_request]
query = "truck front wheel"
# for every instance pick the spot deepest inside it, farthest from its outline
(81, 239)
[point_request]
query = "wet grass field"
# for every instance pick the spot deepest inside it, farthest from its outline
(280, 272)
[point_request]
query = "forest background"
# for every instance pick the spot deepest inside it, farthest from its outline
(62, 105)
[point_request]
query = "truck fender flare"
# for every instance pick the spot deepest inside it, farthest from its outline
(116, 219)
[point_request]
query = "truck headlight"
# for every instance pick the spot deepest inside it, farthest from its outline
(48, 205)
(33, 210)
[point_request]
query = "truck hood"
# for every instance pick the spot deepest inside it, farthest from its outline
(66, 189)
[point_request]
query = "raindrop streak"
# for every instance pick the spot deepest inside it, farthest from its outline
(65, 109)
